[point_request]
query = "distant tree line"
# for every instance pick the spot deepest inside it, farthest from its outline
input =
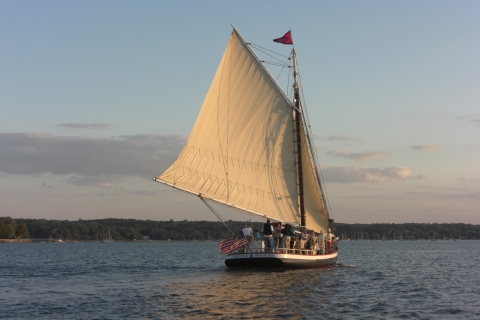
(407, 231)
(132, 229)
(10, 229)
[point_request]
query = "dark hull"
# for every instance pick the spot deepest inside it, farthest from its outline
(293, 261)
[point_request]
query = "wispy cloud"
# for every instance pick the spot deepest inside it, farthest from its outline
(142, 155)
(464, 117)
(471, 196)
(343, 138)
(442, 188)
(363, 156)
(89, 181)
(425, 147)
(476, 122)
(459, 196)
(147, 192)
(94, 126)
(355, 174)
(464, 181)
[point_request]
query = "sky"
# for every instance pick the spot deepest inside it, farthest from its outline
(99, 97)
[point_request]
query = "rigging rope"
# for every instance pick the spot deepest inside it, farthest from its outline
(283, 67)
(222, 219)
(262, 48)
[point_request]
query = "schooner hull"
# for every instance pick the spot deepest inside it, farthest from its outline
(280, 260)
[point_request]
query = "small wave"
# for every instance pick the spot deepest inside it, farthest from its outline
(341, 265)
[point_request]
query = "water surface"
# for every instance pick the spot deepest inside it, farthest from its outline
(170, 280)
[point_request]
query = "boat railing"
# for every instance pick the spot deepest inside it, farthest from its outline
(247, 249)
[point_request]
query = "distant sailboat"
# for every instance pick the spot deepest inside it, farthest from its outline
(109, 237)
(251, 149)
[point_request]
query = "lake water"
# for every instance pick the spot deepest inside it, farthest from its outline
(170, 280)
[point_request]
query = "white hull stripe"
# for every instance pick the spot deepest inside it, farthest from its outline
(282, 256)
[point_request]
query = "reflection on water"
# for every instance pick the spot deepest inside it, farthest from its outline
(254, 294)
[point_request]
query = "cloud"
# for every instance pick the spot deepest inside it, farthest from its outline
(359, 155)
(464, 117)
(463, 180)
(95, 126)
(147, 192)
(470, 196)
(442, 188)
(476, 122)
(34, 153)
(460, 196)
(425, 147)
(355, 174)
(343, 138)
(89, 181)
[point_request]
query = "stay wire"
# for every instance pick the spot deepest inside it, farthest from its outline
(283, 68)
(314, 151)
(279, 61)
(257, 46)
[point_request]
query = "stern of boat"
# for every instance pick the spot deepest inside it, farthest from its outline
(280, 260)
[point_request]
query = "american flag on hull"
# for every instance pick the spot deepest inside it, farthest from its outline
(232, 243)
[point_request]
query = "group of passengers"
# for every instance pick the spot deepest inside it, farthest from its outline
(277, 237)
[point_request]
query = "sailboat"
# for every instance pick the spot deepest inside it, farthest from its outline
(109, 237)
(251, 149)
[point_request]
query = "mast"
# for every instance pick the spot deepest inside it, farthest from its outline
(298, 128)
(300, 116)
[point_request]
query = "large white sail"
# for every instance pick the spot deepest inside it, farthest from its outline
(241, 151)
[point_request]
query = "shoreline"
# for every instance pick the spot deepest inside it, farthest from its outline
(15, 241)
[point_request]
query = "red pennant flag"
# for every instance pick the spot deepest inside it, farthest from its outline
(286, 39)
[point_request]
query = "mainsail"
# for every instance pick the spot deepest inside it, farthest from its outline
(241, 151)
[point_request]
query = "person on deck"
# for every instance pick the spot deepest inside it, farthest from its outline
(286, 237)
(293, 238)
(313, 242)
(257, 235)
(278, 234)
(321, 242)
(330, 237)
(301, 241)
(268, 234)
(247, 231)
